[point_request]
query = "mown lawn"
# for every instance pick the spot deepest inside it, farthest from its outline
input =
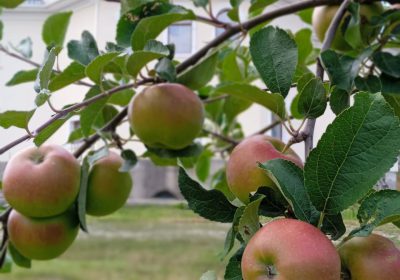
(144, 242)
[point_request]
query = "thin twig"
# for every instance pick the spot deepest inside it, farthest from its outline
(222, 137)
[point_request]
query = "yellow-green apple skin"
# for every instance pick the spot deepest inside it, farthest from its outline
(288, 249)
(323, 15)
(42, 238)
(41, 182)
(108, 188)
(166, 115)
(242, 172)
(371, 258)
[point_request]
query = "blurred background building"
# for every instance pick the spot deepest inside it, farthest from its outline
(100, 18)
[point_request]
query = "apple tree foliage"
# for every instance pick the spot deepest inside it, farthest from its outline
(229, 75)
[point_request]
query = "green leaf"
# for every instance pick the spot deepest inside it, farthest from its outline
(249, 222)
(218, 182)
(371, 84)
(394, 102)
(10, 4)
(294, 108)
(231, 71)
(150, 27)
(94, 70)
(190, 151)
(390, 85)
(83, 194)
(272, 101)
(339, 100)
(156, 47)
(232, 233)
(200, 3)
(353, 34)
(304, 44)
(55, 28)
(258, 6)
(209, 275)
(46, 133)
(44, 75)
(18, 259)
(343, 69)
(24, 47)
(306, 15)
(83, 51)
(91, 112)
(133, 13)
(15, 118)
(203, 165)
(166, 70)
(334, 226)
(387, 63)
(355, 151)
(139, 59)
(377, 209)
(200, 74)
(274, 205)
(130, 160)
(233, 270)
(312, 100)
(210, 204)
(73, 73)
(24, 76)
(122, 98)
(290, 180)
(275, 56)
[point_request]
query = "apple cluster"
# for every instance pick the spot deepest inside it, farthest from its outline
(42, 185)
(289, 249)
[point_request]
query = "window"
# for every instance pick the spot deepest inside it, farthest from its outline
(180, 34)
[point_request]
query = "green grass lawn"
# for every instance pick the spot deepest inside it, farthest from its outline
(146, 242)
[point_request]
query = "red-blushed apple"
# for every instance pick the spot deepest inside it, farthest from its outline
(166, 116)
(41, 182)
(288, 249)
(323, 15)
(242, 172)
(108, 188)
(42, 238)
(371, 258)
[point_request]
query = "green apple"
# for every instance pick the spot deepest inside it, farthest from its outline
(288, 249)
(108, 188)
(166, 116)
(371, 258)
(42, 238)
(41, 182)
(242, 172)
(323, 15)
